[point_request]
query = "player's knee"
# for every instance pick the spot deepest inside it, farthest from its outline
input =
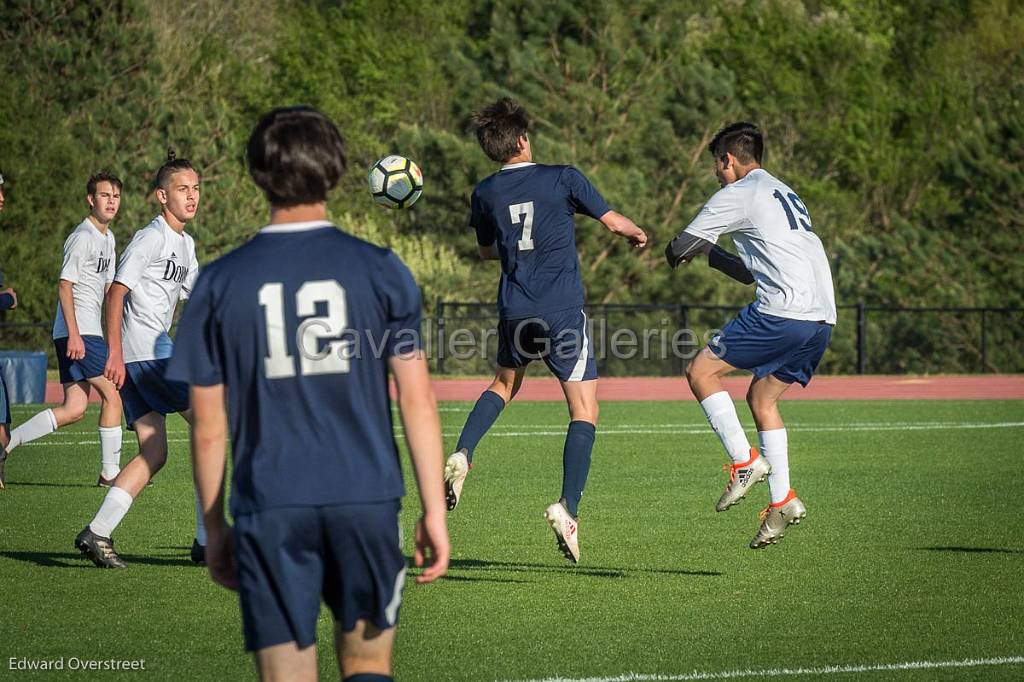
(70, 412)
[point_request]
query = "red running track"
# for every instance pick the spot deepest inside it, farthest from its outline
(953, 387)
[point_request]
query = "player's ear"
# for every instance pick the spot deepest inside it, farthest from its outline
(161, 195)
(92, 202)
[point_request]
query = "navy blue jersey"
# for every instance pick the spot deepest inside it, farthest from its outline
(527, 209)
(298, 324)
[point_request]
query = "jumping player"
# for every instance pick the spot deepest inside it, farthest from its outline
(157, 270)
(85, 276)
(297, 330)
(8, 301)
(523, 216)
(780, 337)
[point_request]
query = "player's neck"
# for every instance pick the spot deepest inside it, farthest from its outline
(525, 157)
(175, 224)
(302, 213)
(743, 171)
(101, 226)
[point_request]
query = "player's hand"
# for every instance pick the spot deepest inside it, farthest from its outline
(220, 558)
(432, 543)
(114, 370)
(76, 347)
(638, 241)
(13, 296)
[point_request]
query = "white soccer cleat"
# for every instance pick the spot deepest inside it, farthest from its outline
(566, 530)
(776, 518)
(455, 470)
(742, 478)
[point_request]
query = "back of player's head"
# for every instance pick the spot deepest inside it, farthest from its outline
(499, 127)
(171, 166)
(296, 156)
(743, 140)
(102, 176)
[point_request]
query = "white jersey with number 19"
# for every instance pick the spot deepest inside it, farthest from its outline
(774, 236)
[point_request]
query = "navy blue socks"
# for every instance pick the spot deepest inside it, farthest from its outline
(579, 442)
(484, 414)
(368, 677)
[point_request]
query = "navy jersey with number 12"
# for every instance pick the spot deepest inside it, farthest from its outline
(298, 325)
(527, 210)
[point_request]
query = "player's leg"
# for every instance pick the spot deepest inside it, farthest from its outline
(95, 539)
(763, 399)
(508, 378)
(198, 551)
(109, 429)
(5, 433)
(364, 653)
(287, 663)
(76, 401)
(731, 349)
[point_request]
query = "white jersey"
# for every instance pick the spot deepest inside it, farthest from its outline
(89, 266)
(160, 267)
(772, 231)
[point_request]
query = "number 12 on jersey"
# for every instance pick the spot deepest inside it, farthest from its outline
(523, 213)
(279, 364)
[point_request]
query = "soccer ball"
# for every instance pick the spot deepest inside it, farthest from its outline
(395, 182)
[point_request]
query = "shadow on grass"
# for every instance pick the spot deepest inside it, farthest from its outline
(73, 560)
(974, 550)
(595, 571)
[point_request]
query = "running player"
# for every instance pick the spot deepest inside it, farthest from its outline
(780, 337)
(297, 331)
(81, 352)
(157, 270)
(523, 216)
(8, 301)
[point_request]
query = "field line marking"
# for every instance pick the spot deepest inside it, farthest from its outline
(789, 672)
(656, 430)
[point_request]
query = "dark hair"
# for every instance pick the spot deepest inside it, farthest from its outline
(743, 140)
(296, 156)
(171, 166)
(102, 176)
(499, 127)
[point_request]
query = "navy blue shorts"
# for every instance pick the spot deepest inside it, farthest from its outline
(146, 389)
(562, 339)
(5, 404)
(90, 366)
(289, 559)
(789, 350)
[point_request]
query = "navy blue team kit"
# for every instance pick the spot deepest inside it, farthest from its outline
(331, 481)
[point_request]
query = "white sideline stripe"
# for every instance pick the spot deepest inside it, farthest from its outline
(789, 672)
(658, 429)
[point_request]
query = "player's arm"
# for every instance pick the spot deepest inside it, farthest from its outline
(624, 227)
(723, 213)
(489, 252)
(114, 314)
(730, 264)
(684, 247)
(76, 346)
(209, 455)
(417, 407)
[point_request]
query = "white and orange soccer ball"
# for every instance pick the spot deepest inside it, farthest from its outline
(395, 182)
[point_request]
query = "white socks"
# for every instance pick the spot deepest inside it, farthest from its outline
(42, 424)
(115, 506)
(775, 449)
(200, 525)
(110, 451)
(721, 414)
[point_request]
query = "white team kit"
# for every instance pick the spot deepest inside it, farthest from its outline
(89, 258)
(773, 234)
(159, 267)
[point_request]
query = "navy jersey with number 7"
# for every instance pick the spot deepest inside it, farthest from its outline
(527, 210)
(298, 325)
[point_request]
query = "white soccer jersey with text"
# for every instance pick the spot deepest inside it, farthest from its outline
(89, 266)
(160, 267)
(773, 234)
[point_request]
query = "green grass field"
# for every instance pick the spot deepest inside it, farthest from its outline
(912, 551)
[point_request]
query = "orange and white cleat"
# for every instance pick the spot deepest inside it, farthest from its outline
(742, 478)
(776, 518)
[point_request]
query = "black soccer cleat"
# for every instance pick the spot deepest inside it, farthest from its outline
(198, 553)
(100, 550)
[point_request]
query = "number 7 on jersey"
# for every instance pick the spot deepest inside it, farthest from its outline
(523, 213)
